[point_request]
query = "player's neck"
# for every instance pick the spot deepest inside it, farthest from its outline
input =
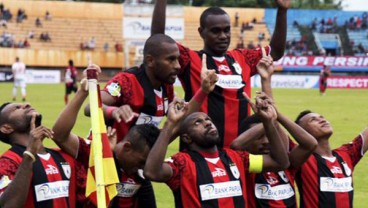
(213, 53)
(156, 84)
(324, 148)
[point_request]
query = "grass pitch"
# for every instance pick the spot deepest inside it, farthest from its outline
(345, 109)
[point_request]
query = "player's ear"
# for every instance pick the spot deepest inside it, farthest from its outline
(186, 138)
(149, 60)
(6, 129)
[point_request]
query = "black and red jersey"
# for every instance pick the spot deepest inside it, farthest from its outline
(226, 105)
(70, 75)
(209, 180)
(133, 88)
(133, 190)
(53, 179)
(328, 182)
(272, 189)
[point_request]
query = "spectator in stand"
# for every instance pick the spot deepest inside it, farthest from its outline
(261, 36)
(240, 44)
(4, 23)
(21, 15)
(236, 23)
(45, 37)
(106, 47)
(324, 74)
(26, 43)
(38, 22)
(31, 34)
(48, 16)
(118, 47)
(254, 20)
(250, 45)
(92, 43)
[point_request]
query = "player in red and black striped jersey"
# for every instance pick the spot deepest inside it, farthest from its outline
(273, 189)
(130, 155)
(141, 94)
(205, 175)
(326, 179)
(30, 174)
(226, 104)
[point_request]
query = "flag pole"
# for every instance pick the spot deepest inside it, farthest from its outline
(96, 137)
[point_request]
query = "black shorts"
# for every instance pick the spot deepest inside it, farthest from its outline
(70, 88)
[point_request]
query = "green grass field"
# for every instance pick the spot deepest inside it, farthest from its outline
(345, 109)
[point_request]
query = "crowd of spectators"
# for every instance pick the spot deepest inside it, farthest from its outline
(8, 40)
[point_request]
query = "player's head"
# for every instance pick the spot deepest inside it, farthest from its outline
(198, 131)
(315, 124)
(261, 144)
(215, 30)
(15, 118)
(133, 150)
(161, 57)
(71, 63)
(17, 59)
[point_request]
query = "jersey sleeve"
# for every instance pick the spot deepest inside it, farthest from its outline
(184, 58)
(252, 57)
(354, 149)
(83, 152)
(120, 88)
(8, 168)
(177, 164)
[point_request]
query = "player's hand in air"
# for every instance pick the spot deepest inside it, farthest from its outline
(84, 81)
(208, 76)
(124, 113)
(284, 4)
(177, 110)
(37, 135)
(264, 67)
(264, 106)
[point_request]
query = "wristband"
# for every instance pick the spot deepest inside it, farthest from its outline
(200, 96)
(109, 111)
(30, 155)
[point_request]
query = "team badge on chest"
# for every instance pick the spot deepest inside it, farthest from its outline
(66, 169)
(237, 68)
(234, 170)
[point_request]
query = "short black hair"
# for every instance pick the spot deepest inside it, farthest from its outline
(249, 121)
(154, 44)
(210, 11)
(3, 137)
(301, 115)
(141, 135)
(71, 63)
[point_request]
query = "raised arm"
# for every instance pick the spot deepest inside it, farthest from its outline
(278, 39)
(159, 17)
(278, 158)
(365, 139)
(155, 168)
(247, 137)
(64, 124)
(307, 143)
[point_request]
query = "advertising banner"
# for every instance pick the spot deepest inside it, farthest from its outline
(140, 28)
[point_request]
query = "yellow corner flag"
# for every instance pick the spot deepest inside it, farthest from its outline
(102, 175)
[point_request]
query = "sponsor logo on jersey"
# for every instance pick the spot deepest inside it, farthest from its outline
(51, 170)
(218, 172)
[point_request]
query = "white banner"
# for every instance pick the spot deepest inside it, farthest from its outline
(140, 28)
(43, 76)
(289, 81)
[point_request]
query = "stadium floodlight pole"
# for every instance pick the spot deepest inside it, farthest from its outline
(96, 137)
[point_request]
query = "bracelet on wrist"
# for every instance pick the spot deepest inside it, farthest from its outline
(29, 154)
